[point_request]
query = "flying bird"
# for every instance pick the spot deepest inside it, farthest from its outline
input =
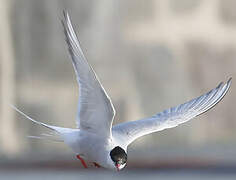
(95, 140)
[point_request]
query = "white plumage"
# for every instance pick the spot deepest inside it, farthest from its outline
(95, 139)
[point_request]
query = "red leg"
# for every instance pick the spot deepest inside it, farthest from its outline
(82, 161)
(96, 165)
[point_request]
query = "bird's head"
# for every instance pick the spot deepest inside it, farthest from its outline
(119, 157)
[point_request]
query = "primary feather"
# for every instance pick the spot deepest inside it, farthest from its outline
(95, 109)
(172, 117)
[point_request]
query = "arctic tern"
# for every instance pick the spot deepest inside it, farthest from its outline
(95, 140)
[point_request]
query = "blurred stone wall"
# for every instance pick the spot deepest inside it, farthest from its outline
(149, 55)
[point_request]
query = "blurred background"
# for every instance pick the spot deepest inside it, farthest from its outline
(149, 55)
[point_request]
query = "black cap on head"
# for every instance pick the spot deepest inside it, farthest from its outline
(118, 155)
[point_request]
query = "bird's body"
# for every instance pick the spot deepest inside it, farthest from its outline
(95, 140)
(91, 147)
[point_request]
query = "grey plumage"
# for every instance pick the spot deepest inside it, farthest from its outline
(172, 117)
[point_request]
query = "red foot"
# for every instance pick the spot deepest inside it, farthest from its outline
(96, 165)
(82, 161)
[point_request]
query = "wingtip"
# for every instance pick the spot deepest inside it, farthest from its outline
(229, 81)
(66, 22)
(65, 12)
(66, 15)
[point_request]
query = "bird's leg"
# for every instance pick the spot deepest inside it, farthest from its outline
(82, 161)
(96, 165)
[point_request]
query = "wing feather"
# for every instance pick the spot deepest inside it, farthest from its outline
(95, 109)
(129, 131)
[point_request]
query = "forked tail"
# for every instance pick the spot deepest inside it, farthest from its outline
(56, 134)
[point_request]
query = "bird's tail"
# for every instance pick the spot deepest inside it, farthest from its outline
(56, 134)
(51, 137)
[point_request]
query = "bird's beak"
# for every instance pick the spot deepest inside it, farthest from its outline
(118, 167)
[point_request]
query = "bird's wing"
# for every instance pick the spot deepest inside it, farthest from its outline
(95, 109)
(129, 131)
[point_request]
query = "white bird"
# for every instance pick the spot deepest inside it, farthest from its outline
(95, 139)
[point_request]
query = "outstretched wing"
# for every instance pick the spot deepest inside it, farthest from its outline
(95, 109)
(129, 131)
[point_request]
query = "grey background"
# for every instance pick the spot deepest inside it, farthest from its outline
(149, 55)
